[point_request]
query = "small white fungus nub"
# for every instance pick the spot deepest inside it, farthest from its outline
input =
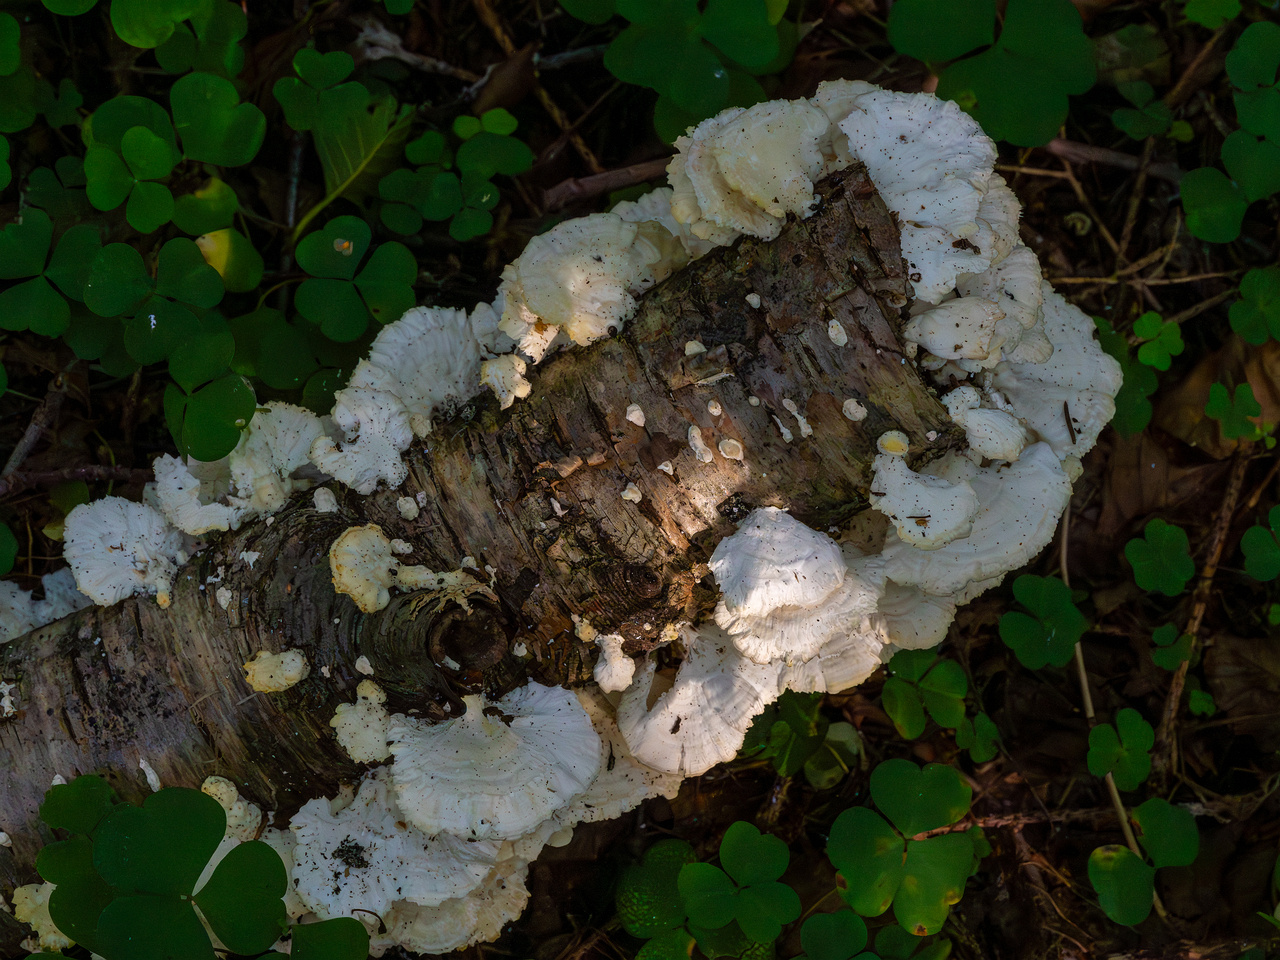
(714, 408)
(632, 493)
(635, 414)
(694, 347)
(276, 672)
(505, 376)
(730, 449)
(324, 500)
(361, 727)
(699, 446)
(753, 299)
(614, 669)
(499, 769)
(364, 567)
(835, 332)
(854, 411)
(407, 507)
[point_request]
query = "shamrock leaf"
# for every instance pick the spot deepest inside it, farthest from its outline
(1214, 205)
(1124, 883)
(207, 424)
(6, 172)
(78, 806)
(1201, 703)
(1261, 551)
(24, 250)
(1171, 648)
(1252, 163)
(1251, 66)
(10, 52)
(130, 146)
(1168, 834)
(981, 737)
(300, 96)
(941, 30)
(1148, 117)
(1049, 634)
(1256, 315)
(243, 899)
(1164, 340)
(833, 936)
(341, 301)
(1234, 414)
(917, 800)
(149, 23)
(162, 846)
(215, 127)
(1211, 13)
(1123, 750)
(1161, 558)
(1133, 409)
(211, 44)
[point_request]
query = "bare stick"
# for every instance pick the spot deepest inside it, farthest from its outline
(583, 188)
(17, 482)
(44, 417)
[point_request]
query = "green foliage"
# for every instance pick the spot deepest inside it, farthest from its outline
(10, 50)
(211, 44)
(1261, 551)
(149, 23)
(1042, 43)
(6, 172)
(1251, 67)
(1048, 635)
(1233, 413)
(833, 936)
(35, 304)
(980, 736)
(795, 736)
(1124, 883)
(699, 60)
(1163, 340)
(747, 890)
(1211, 13)
(647, 900)
(1123, 750)
(1161, 558)
(434, 192)
(1171, 649)
(882, 865)
(1148, 117)
(214, 126)
(126, 880)
(919, 681)
(1133, 409)
(8, 549)
(1256, 315)
(1214, 205)
(1167, 833)
(339, 300)
(1201, 703)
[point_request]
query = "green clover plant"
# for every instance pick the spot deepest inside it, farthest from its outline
(882, 863)
(1171, 647)
(1122, 750)
(746, 891)
(35, 304)
(211, 44)
(127, 880)
(833, 936)
(1049, 633)
(1133, 408)
(1161, 558)
(1234, 414)
(60, 191)
(1042, 42)
(1124, 882)
(1261, 551)
(434, 192)
(1211, 13)
(699, 58)
(131, 145)
(8, 548)
(1256, 315)
(1163, 340)
(920, 681)
(6, 171)
(337, 298)
(1200, 702)
(1148, 117)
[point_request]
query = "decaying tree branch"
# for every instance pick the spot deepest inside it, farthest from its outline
(533, 496)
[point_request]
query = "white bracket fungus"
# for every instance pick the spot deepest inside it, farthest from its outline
(20, 614)
(276, 672)
(505, 376)
(361, 727)
(699, 446)
(993, 434)
(364, 567)
(118, 548)
(496, 771)
(927, 511)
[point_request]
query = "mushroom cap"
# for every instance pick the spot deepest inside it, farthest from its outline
(1079, 374)
(276, 672)
(774, 560)
(31, 906)
(276, 444)
(377, 430)
(614, 669)
(504, 375)
(993, 434)
(656, 206)
(1020, 507)
(365, 857)
(118, 548)
(703, 718)
(1013, 283)
(489, 776)
(960, 328)
(910, 619)
(363, 566)
(716, 207)
(189, 503)
(361, 727)
(771, 153)
(927, 511)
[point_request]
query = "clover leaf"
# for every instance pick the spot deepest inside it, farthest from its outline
(339, 300)
(211, 44)
(1252, 163)
(272, 349)
(149, 23)
(61, 108)
(1171, 647)
(939, 688)
(980, 736)
(69, 8)
(1043, 44)
(10, 51)
(131, 146)
(1261, 551)
(300, 96)
(833, 936)
(1201, 703)
(1211, 13)
(207, 423)
(215, 127)
(24, 253)
(1163, 340)
(1214, 205)
(1125, 884)
(790, 733)
(1251, 66)
(78, 806)
(1161, 558)
(647, 900)
(1256, 315)
(880, 867)
(1133, 409)
(1048, 635)
(941, 29)
(833, 760)
(1148, 117)
(1168, 834)
(58, 192)
(1123, 750)
(6, 172)
(1234, 413)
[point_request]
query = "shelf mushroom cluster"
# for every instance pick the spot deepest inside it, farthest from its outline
(1019, 371)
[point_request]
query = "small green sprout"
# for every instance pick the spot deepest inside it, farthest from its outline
(339, 300)
(1171, 649)
(1133, 409)
(1201, 703)
(882, 865)
(980, 736)
(1123, 750)
(1163, 340)
(919, 681)
(1148, 117)
(1048, 635)
(1234, 413)
(1256, 315)
(1161, 558)
(1261, 551)
(24, 253)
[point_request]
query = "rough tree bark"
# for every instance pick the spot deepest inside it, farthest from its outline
(533, 495)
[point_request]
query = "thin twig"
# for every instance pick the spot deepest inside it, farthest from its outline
(17, 482)
(1183, 89)
(1088, 205)
(583, 188)
(1162, 752)
(41, 420)
(1150, 282)
(1203, 305)
(1074, 152)
(490, 18)
(1135, 200)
